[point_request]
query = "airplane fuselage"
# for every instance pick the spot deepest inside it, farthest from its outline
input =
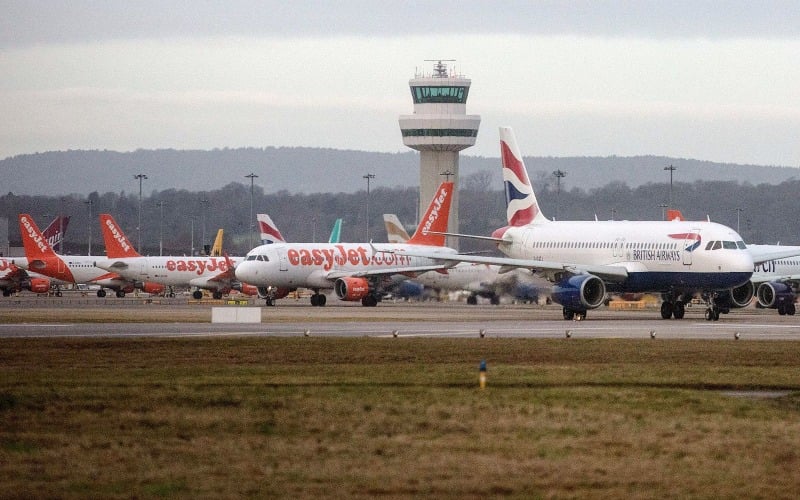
(659, 256)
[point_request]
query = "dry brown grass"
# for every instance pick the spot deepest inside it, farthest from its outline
(304, 417)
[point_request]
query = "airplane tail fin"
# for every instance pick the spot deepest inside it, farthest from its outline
(336, 232)
(674, 214)
(395, 231)
(54, 233)
(117, 244)
(435, 218)
(521, 205)
(36, 247)
(216, 250)
(269, 231)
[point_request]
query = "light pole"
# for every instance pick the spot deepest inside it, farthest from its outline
(663, 210)
(203, 205)
(141, 177)
(161, 229)
(559, 174)
(251, 176)
(613, 214)
(191, 250)
(738, 213)
(671, 170)
(368, 177)
(89, 204)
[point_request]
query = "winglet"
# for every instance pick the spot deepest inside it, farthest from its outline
(521, 205)
(435, 218)
(117, 244)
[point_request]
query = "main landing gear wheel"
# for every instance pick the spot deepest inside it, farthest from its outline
(570, 314)
(712, 314)
(675, 310)
(120, 294)
(217, 295)
(369, 301)
(197, 295)
(318, 300)
(270, 302)
(101, 293)
(472, 300)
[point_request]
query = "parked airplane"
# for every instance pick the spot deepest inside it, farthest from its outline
(587, 259)
(271, 234)
(481, 280)
(355, 271)
(209, 273)
(776, 281)
(13, 276)
(70, 268)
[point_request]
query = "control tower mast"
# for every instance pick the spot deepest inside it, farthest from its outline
(439, 128)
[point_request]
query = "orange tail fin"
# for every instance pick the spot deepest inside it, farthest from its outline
(36, 247)
(435, 218)
(117, 244)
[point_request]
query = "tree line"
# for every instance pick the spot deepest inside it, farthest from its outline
(179, 220)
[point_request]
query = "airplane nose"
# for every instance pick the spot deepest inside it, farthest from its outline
(245, 272)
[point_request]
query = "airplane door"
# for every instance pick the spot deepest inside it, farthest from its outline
(283, 261)
(619, 244)
(689, 246)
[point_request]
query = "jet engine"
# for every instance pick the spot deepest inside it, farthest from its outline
(247, 289)
(776, 295)
(735, 298)
(351, 289)
(153, 288)
(580, 292)
(39, 285)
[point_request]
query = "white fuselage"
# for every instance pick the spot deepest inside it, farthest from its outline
(478, 278)
(168, 270)
(658, 256)
(317, 265)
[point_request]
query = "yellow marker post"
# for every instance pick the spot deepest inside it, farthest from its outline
(482, 374)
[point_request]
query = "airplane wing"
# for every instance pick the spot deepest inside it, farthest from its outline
(410, 270)
(608, 273)
(758, 278)
(766, 253)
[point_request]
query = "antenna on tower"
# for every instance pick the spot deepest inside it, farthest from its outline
(440, 69)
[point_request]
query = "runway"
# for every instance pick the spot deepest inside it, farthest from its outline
(389, 320)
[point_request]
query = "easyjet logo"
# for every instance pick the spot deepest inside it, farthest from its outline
(118, 236)
(340, 255)
(198, 266)
(433, 216)
(33, 234)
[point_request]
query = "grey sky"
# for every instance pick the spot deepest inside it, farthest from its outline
(707, 80)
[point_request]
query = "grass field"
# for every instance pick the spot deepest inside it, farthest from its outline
(361, 417)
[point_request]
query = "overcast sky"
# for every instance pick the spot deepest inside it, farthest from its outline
(715, 81)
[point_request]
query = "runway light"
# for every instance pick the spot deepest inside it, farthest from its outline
(482, 332)
(652, 334)
(306, 332)
(736, 335)
(394, 333)
(568, 333)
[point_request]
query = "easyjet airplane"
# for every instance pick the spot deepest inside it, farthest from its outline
(71, 268)
(13, 276)
(208, 273)
(355, 271)
(587, 259)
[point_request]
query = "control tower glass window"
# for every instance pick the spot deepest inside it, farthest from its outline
(454, 95)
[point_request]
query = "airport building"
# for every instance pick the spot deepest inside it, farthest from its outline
(439, 128)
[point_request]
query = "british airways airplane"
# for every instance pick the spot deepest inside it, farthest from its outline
(587, 259)
(355, 271)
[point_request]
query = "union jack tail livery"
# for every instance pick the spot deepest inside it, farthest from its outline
(117, 244)
(268, 229)
(521, 205)
(434, 222)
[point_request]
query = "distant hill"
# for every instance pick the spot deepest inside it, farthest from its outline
(311, 170)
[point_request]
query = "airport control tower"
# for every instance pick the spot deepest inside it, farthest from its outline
(439, 128)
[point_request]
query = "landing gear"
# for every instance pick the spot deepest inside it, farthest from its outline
(673, 309)
(788, 309)
(712, 313)
(270, 302)
(120, 294)
(494, 300)
(318, 299)
(216, 294)
(472, 300)
(101, 293)
(197, 295)
(570, 314)
(369, 301)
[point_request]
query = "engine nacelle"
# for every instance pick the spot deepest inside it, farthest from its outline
(39, 285)
(153, 288)
(774, 294)
(351, 288)
(580, 292)
(736, 298)
(265, 292)
(247, 289)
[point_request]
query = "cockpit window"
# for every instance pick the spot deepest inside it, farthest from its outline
(740, 244)
(709, 245)
(263, 258)
(717, 245)
(729, 245)
(251, 257)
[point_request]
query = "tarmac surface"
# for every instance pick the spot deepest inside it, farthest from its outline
(79, 316)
